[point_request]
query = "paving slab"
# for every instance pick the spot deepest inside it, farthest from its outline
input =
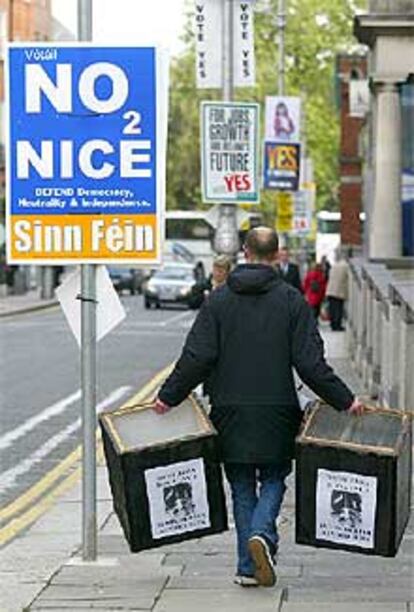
(343, 607)
(234, 599)
(138, 594)
(360, 589)
(122, 572)
(15, 595)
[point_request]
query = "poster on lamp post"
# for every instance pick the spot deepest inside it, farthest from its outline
(282, 118)
(86, 153)
(229, 152)
(281, 167)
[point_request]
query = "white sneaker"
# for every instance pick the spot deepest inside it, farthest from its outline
(260, 553)
(246, 581)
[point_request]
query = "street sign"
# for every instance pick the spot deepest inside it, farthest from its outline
(229, 152)
(86, 148)
(281, 168)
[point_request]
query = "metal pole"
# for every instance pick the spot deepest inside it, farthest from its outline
(88, 365)
(226, 238)
(281, 23)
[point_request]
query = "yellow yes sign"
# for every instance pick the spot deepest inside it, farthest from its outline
(284, 209)
(281, 166)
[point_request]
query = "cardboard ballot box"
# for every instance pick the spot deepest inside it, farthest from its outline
(164, 474)
(353, 480)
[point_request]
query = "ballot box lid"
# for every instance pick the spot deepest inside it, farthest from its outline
(138, 427)
(378, 430)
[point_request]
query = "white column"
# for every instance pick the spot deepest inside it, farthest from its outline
(406, 378)
(385, 223)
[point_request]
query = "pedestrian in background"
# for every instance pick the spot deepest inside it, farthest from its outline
(288, 270)
(314, 287)
(337, 292)
(221, 270)
(244, 343)
(326, 266)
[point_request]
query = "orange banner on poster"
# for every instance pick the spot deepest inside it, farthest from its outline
(98, 239)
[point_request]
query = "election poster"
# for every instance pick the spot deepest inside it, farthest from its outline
(208, 19)
(281, 167)
(87, 130)
(346, 505)
(302, 212)
(229, 152)
(282, 118)
(284, 211)
(177, 498)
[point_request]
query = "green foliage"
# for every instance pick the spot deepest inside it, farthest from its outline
(317, 30)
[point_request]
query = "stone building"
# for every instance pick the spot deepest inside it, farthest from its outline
(388, 30)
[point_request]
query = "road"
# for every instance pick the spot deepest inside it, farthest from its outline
(40, 404)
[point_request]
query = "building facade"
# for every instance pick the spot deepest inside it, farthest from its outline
(20, 20)
(388, 30)
(351, 72)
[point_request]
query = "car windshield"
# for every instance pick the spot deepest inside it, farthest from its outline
(174, 273)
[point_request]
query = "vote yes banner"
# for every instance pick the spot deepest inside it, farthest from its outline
(87, 129)
(229, 152)
(208, 17)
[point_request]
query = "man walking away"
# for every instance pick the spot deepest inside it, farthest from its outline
(288, 271)
(337, 292)
(247, 338)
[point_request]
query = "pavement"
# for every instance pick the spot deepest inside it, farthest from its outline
(20, 304)
(42, 569)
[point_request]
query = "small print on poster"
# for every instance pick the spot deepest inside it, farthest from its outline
(177, 498)
(345, 508)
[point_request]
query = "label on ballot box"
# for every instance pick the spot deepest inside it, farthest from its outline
(177, 495)
(345, 508)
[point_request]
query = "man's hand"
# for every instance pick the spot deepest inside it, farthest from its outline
(356, 408)
(160, 407)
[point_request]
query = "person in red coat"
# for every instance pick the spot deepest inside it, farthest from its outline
(314, 287)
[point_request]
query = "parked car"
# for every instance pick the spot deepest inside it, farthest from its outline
(175, 283)
(127, 278)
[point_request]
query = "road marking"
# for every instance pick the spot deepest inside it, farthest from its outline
(177, 317)
(11, 436)
(15, 526)
(18, 524)
(9, 477)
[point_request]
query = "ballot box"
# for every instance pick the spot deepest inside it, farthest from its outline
(164, 473)
(353, 480)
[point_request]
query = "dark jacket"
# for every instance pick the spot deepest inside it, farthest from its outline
(292, 275)
(246, 339)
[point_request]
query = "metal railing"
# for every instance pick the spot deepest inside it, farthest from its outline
(380, 329)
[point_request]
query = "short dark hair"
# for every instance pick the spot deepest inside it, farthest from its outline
(262, 242)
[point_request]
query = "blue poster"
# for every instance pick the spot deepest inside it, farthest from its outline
(86, 152)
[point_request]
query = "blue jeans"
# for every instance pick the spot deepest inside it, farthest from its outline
(255, 508)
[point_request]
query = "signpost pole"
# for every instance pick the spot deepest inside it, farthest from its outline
(227, 240)
(281, 23)
(88, 365)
